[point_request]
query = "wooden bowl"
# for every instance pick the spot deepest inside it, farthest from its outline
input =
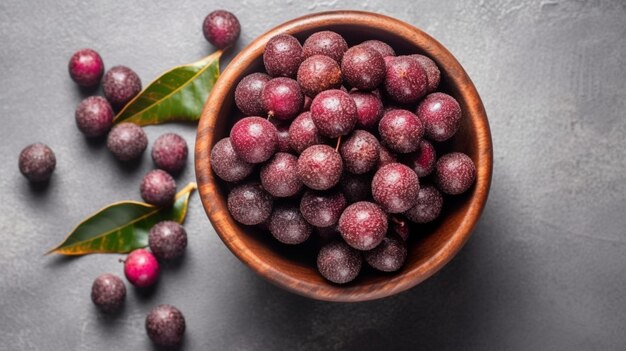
(294, 268)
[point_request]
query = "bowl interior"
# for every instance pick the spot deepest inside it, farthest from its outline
(430, 246)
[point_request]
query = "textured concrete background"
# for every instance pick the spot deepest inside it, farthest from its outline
(543, 271)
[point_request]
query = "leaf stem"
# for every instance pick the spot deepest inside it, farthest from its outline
(338, 144)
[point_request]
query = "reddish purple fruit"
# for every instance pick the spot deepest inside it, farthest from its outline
(288, 226)
(158, 188)
(401, 130)
(441, 115)
(167, 240)
(94, 116)
(363, 225)
(86, 67)
(455, 173)
(279, 175)
(356, 187)
(360, 152)
(227, 164)
(383, 48)
(423, 160)
(108, 292)
(386, 156)
(428, 207)
(326, 43)
(127, 141)
(248, 94)
(254, 139)
(221, 28)
(303, 133)
(389, 256)
(249, 204)
(307, 103)
(334, 113)
(282, 56)
(363, 68)
(282, 98)
(121, 84)
(432, 71)
(165, 326)
(141, 268)
(169, 152)
(400, 228)
(395, 187)
(282, 134)
(369, 109)
(405, 79)
(338, 262)
(37, 162)
(322, 209)
(318, 73)
(320, 167)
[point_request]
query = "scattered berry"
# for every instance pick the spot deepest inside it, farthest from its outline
(441, 115)
(94, 116)
(249, 204)
(428, 207)
(121, 84)
(326, 43)
(395, 187)
(363, 225)
(127, 141)
(141, 268)
(320, 167)
(108, 292)
(165, 326)
(167, 240)
(221, 28)
(248, 94)
(254, 139)
(169, 152)
(37, 162)
(455, 173)
(158, 188)
(86, 67)
(339, 263)
(282, 56)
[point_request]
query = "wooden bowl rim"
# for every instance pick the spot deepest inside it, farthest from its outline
(223, 222)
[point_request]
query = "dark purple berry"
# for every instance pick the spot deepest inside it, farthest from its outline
(248, 94)
(389, 256)
(401, 130)
(338, 262)
(395, 187)
(432, 71)
(288, 226)
(369, 109)
(165, 326)
(386, 156)
(279, 175)
(401, 228)
(363, 225)
(141, 268)
(121, 84)
(249, 204)
(455, 173)
(86, 67)
(221, 28)
(254, 139)
(363, 68)
(423, 160)
(322, 209)
(94, 116)
(307, 103)
(227, 164)
(428, 207)
(405, 80)
(37, 162)
(282, 56)
(360, 152)
(282, 133)
(441, 115)
(356, 187)
(318, 73)
(108, 292)
(383, 48)
(320, 167)
(303, 133)
(127, 141)
(158, 188)
(169, 152)
(334, 113)
(167, 240)
(282, 98)
(326, 43)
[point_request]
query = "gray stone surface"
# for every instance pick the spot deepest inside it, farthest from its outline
(544, 269)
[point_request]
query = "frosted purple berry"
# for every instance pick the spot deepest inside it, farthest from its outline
(167, 240)
(86, 67)
(169, 152)
(37, 162)
(248, 94)
(428, 207)
(165, 326)
(158, 188)
(249, 204)
(318, 73)
(221, 28)
(360, 152)
(282, 98)
(338, 262)
(405, 79)
(455, 173)
(441, 115)
(401, 130)
(322, 209)
(369, 109)
(279, 175)
(303, 133)
(282, 56)
(363, 68)
(121, 84)
(320, 167)
(334, 113)
(127, 141)
(383, 48)
(326, 43)
(395, 187)
(356, 187)
(432, 71)
(254, 139)
(363, 225)
(108, 292)
(386, 156)
(227, 164)
(288, 226)
(282, 134)
(389, 256)
(141, 268)
(423, 160)
(94, 116)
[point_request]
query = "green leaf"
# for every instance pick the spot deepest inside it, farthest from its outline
(177, 95)
(122, 226)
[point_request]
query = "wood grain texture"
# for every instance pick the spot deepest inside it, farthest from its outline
(430, 248)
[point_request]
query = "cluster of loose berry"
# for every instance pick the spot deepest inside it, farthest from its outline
(344, 141)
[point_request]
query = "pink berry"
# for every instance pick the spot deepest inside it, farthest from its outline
(369, 109)
(334, 113)
(401, 130)
(326, 43)
(248, 94)
(94, 116)
(320, 167)
(423, 160)
(428, 207)
(363, 225)
(360, 152)
(303, 133)
(318, 73)
(455, 173)
(221, 28)
(282, 56)
(395, 187)
(282, 134)
(141, 268)
(363, 68)
(279, 175)
(86, 67)
(227, 164)
(254, 139)
(441, 115)
(282, 98)
(405, 80)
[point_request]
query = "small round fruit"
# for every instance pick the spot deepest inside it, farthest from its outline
(326, 43)
(279, 175)
(37, 162)
(165, 326)
(254, 139)
(386, 156)
(127, 141)
(282, 98)
(322, 209)
(307, 103)
(338, 262)
(167, 240)
(356, 187)
(86, 67)
(395, 187)
(441, 115)
(428, 207)
(369, 109)
(248, 94)
(288, 226)
(318, 73)
(423, 160)
(227, 164)
(282, 134)
(401, 130)
(389, 256)
(363, 225)
(141, 268)
(158, 188)
(249, 204)
(94, 116)
(108, 292)
(303, 133)
(169, 152)
(405, 79)
(121, 84)
(360, 152)
(334, 113)
(363, 68)
(282, 56)
(320, 167)
(221, 28)
(432, 71)
(383, 48)
(455, 173)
